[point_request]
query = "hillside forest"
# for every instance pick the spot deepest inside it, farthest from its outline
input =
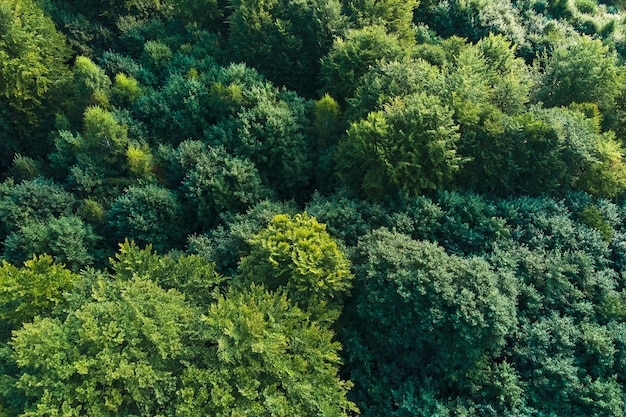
(324, 208)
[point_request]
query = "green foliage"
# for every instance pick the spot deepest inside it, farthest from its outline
(204, 12)
(140, 161)
(118, 354)
(39, 199)
(219, 183)
(33, 59)
(388, 80)
(272, 132)
(91, 82)
(285, 39)
(298, 256)
(126, 90)
(148, 214)
(584, 71)
(422, 318)
(34, 289)
(192, 275)
(606, 177)
(394, 15)
(350, 58)
(266, 359)
(409, 146)
(326, 121)
(67, 238)
(228, 242)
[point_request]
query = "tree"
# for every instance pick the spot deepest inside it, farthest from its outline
(33, 58)
(352, 56)
(33, 289)
(420, 318)
(220, 183)
(265, 359)
(582, 72)
(395, 15)
(67, 239)
(410, 146)
(391, 79)
(39, 199)
(285, 39)
(296, 255)
(149, 214)
(272, 132)
(192, 275)
(118, 354)
(122, 345)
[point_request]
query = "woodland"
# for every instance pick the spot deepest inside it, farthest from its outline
(325, 208)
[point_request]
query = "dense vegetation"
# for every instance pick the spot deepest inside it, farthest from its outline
(312, 208)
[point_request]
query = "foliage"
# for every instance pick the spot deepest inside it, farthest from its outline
(462, 160)
(67, 239)
(193, 276)
(220, 183)
(409, 146)
(420, 317)
(298, 256)
(119, 353)
(34, 289)
(584, 72)
(394, 15)
(228, 242)
(284, 39)
(33, 56)
(266, 359)
(148, 214)
(351, 57)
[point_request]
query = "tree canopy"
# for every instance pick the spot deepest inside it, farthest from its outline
(312, 208)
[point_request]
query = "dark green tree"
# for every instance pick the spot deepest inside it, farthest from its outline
(285, 39)
(68, 239)
(148, 214)
(421, 318)
(220, 183)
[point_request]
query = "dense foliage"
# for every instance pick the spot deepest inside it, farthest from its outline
(312, 208)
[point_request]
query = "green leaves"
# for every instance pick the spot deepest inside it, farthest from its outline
(284, 39)
(269, 360)
(117, 354)
(409, 146)
(298, 256)
(36, 289)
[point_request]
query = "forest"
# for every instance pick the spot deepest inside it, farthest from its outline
(324, 208)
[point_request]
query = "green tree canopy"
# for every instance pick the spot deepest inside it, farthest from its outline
(298, 256)
(285, 39)
(352, 56)
(149, 214)
(410, 145)
(33, 58)
(581, 72)
(422, 318)
(266, 359)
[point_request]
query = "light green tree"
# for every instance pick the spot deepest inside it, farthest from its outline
(296, 254)
(33, 59)
(265, 358)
